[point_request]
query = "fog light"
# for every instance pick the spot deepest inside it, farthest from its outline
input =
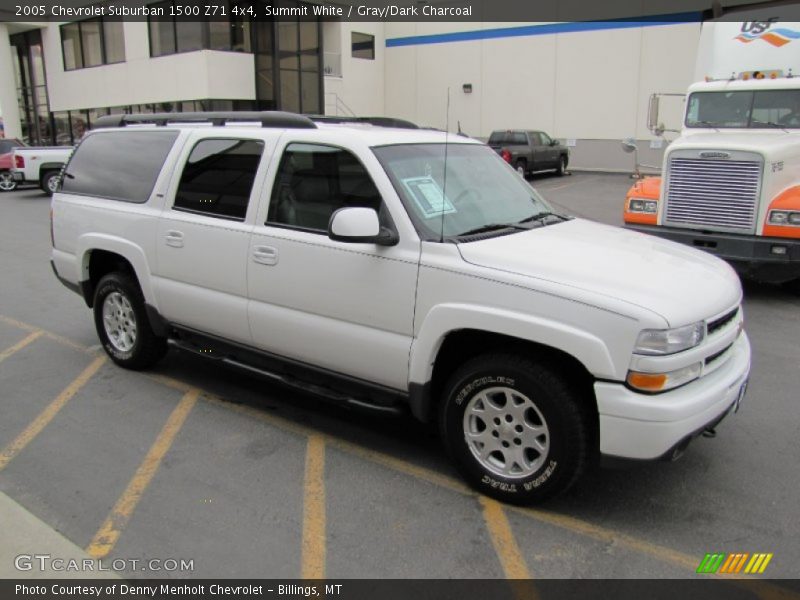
(779, 250)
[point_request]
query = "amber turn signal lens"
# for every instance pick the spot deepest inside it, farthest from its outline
(650, 382)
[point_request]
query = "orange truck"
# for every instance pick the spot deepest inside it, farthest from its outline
(730, 183)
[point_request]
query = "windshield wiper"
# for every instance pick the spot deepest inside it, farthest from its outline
(492, 227)
(541, 217)
(768, 124)
(708, 124)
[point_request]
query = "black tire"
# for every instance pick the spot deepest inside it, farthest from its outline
(49, 182)
(522, 167)
(147, 348)
(562, 166)
(7, 182)
(793, 286)
(565, 418)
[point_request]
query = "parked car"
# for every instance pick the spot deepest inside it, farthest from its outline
(530, 151)
(339, 260)
(40, 166)
(7, 145)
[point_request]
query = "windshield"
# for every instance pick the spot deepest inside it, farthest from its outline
(745, 109)
(480, 191)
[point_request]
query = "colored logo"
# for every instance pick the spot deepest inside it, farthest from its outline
(777, 37)
(733, 563)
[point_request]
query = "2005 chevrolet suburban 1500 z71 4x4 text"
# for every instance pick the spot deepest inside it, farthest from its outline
(401, 268)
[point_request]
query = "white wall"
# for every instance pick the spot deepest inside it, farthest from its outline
(361, 86)
(583, 85)
(140, 79)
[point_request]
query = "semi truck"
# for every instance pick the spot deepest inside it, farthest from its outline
(730, 183)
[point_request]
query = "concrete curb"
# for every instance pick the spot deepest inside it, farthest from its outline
(27, 535)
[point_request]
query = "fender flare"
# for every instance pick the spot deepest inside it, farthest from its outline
(134, 254)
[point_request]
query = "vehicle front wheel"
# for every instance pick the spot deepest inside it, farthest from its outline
(122, 325)
(562, 166)
(7, 183)
(515, 428)
(50, 182)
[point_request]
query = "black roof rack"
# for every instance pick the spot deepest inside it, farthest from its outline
(269, 118)
(378, 121)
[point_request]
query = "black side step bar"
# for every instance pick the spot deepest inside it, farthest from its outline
(322, 391)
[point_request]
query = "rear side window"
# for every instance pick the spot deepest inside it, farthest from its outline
(120, 165)
(218, 178)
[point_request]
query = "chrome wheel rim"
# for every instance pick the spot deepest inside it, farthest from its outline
(506, 432)
(119, 322)
(521, 170)
(7, 182)
(52, 184)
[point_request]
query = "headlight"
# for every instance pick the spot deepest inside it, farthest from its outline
(640, 205)
(661, 382)
(658, 342)
(784, 217)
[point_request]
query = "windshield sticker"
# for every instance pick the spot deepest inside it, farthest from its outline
(428, 196)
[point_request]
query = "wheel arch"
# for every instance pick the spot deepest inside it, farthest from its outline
(101, 255)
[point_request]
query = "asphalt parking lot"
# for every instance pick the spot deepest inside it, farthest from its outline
(248, 479)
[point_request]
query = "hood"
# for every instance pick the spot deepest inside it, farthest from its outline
(769, 143)
(681, 284)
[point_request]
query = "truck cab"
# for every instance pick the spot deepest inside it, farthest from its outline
(730, 182)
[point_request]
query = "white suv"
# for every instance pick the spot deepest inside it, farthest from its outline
(400, 269)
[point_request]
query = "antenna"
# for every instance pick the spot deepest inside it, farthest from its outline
(444, 181)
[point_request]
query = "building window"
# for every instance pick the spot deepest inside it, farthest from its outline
(363, 45)
(91, 43)
(171, 35)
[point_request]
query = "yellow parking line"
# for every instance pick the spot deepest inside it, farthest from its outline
(41, 421)
(48, 334)
(313, 560)
(31, 337)
(109, 532)
(578, 526)
(503, 540)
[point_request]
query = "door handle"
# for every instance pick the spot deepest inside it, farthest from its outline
(265, 255)
(174, 238)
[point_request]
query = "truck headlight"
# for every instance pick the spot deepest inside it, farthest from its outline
(658, 342)
(784, 217)
(661, 382)
(640, 205)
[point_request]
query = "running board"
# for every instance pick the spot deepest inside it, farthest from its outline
(292, 381)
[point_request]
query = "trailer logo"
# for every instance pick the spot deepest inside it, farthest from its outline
(762, 30)
(714, 155)
(720, 562)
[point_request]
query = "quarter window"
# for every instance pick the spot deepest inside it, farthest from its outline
(313, 181)
(218, 178)
(118, 165)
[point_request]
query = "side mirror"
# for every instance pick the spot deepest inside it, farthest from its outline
(629, 145)
(554, 142)
(359, 225)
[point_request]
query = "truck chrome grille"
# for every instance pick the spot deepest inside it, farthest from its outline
(714, 193)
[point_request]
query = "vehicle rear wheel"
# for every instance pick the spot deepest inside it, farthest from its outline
(515, 428)
(562, 166)
(122, 325)
(793, 286)
(7, 183)
(50, 182)
(522, 167)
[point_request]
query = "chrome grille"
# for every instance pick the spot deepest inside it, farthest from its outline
(717, 193)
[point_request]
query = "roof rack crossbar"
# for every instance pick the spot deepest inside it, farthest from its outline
(269, 118)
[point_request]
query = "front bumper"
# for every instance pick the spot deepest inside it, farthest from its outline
(648, 427)
(749, 254)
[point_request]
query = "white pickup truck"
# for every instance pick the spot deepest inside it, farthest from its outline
(341, 260)
(40, 166)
